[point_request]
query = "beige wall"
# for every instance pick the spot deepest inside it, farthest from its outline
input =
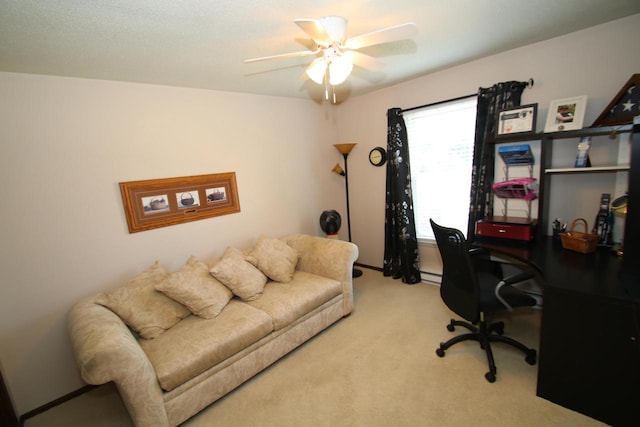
(596, 62)
(66, 143)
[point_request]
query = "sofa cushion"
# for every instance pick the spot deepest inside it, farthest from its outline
(240, 276)
(140, 306)
(196, 344)
(194, 287)
(274, 258)
(287, 302)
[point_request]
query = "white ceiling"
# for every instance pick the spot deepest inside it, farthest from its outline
(202, 43)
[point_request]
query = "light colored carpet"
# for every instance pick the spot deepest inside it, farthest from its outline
(377, 367)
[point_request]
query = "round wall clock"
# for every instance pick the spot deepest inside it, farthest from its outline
(378, 156)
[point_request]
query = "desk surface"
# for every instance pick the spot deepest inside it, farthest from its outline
(597, 273)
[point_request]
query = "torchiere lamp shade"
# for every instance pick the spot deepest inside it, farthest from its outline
(338, 169)
(346, 148)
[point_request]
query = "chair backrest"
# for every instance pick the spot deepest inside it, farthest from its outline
(459, 289)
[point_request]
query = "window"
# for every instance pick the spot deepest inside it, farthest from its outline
(441, 138)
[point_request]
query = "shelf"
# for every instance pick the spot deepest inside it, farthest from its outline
(589, 131)
(593, 131)
(515, 138)
(593, 169)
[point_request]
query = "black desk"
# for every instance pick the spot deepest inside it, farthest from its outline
(589, 356)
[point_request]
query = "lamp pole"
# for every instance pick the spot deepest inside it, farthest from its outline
(346, 185)
(345, 149)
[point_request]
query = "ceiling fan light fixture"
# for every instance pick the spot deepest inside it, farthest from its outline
(317, 70)
(339, 69)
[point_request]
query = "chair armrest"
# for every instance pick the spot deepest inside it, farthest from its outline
(105, 350)
(518, 277)
(511, 280)
(478, 251)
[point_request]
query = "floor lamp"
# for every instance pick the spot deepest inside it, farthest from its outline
(345, 149)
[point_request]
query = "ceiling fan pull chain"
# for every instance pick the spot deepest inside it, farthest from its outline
(326, 84)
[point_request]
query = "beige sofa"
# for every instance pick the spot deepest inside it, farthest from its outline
(165, 380)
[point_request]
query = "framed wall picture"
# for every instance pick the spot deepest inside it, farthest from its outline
(566, 114)
(158, 203)
(518, 120)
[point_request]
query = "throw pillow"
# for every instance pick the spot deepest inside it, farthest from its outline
(274, 258)
(193, 286)
(140, 306)
(244, 280)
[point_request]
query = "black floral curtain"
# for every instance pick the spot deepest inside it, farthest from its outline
(401, 258)
(490, 102)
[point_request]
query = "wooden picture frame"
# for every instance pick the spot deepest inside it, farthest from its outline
(517, 120)
(566, 114)
(623, 107)
(155, 203)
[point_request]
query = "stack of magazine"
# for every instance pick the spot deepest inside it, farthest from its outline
(516, 154)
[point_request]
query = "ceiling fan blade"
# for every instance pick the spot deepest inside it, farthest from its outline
(365, 61)
(315, 30)
(326, 30)
(389, 34)
(284, 55)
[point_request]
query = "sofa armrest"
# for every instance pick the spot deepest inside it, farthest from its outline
(329, 258)
(105, 350)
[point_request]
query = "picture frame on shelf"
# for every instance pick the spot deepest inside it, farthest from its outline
(517, 120)
(155, 203)
(566, 114)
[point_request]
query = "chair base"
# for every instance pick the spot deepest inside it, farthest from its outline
(485, 335)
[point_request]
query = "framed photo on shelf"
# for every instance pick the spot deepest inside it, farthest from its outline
(155, 203)
(518, 120)
(566, 114)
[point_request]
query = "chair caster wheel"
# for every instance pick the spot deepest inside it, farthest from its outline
(491, 377)
(531, 357)
(440, 352)
(451, 327)
(498, 328)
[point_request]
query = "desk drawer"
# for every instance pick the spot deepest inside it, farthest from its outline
(505, 230)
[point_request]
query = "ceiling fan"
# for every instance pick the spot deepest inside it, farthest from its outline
(336, 55)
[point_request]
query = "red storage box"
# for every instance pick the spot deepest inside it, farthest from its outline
(506, 228)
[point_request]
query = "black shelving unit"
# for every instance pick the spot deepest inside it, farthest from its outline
(547, 141)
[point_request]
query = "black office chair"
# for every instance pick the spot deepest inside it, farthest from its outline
(473, 287)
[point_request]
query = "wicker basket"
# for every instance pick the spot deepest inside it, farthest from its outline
(580, 242)
(157, 204)
(186, 199)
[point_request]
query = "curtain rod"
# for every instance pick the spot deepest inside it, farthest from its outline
(437, 103)
(529, 85)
